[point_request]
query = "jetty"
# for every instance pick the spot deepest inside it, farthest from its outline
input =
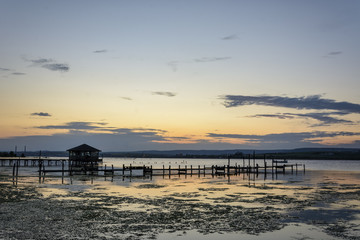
(65, 167)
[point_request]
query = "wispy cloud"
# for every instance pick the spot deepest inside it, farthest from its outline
(230, 37)
(335, 53)
(325, 118)
(211, 59)
(314, 102)
(40, 61)
(126, 98)
(57, 67)
(49, 64)
(4, 69)
(100, 51)
(75, 126)
(18, 73)
(41, 114)
(167, 94)
(285, 139)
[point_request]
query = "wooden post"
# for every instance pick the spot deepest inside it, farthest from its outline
(304, 168)
(199, 171)
(62, 172)
(14, 172)
(191, 170)
(123, 170)
(169, 170)
(163, 170)
(112, 169)
(265, 168)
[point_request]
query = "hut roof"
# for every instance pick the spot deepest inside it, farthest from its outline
(83, 148)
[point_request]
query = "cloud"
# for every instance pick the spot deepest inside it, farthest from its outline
(230, 37)
(324, 118)
(167, 94)
(100, 51)
(4, 69)
(127, 98)
(211, 59)
(49, 64)
(18, 73)
(285, 140)
(40, 61)
(41, 114)
(75, 126)
(314, 102)
(335, 53)
(57, 67)
(285, 136)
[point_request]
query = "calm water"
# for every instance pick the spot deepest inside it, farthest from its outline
(340, 165)
(322, 203)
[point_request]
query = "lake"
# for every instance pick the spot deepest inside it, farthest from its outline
(321, 203)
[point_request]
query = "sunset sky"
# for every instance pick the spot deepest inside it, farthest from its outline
(160, 75)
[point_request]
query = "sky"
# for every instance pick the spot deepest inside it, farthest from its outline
(163, 75)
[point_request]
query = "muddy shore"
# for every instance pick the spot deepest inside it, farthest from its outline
(146, 210)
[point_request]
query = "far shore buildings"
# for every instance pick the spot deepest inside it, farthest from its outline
(84, 155)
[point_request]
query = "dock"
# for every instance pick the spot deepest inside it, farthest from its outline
(47, 167)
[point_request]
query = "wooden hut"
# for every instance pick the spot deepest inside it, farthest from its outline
(84, 155)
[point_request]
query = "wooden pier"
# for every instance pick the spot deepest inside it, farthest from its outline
(46, 166)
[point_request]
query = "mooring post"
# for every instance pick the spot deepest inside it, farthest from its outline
(123, 170)
(40, 169)
(163, 170)
(304, 168)
(17, 168)
(14, 172)
(169, 171)
(254, 159)
(191, 171)
(284, 169)
(204, 170)
(185, 169)
(112, 169)
(62, 172)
